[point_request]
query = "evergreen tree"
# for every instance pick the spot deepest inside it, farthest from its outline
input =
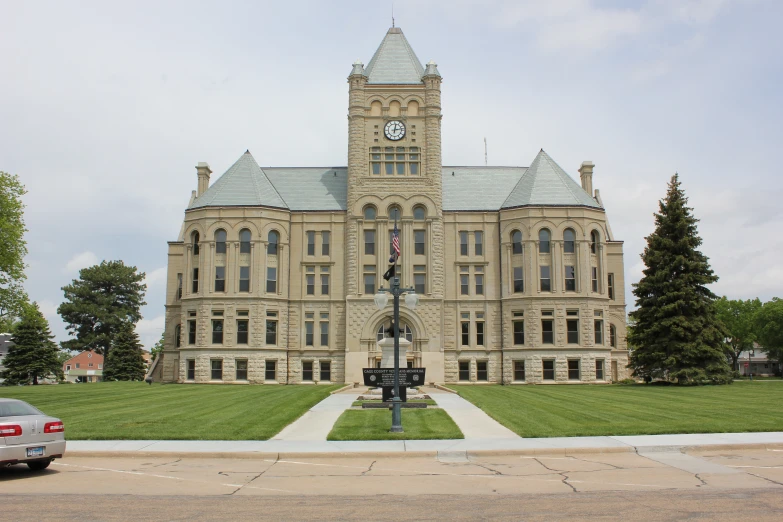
(34, 354)
(99, 303)
(124, 362)
(677, 335)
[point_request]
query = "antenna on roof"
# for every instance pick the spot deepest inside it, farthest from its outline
(392, 13)
(485, 151)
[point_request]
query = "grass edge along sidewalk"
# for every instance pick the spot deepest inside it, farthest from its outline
(605, 410)
(374, 424)
(137, 411)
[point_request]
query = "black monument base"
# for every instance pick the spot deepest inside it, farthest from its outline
(388, 406)
(388, 393)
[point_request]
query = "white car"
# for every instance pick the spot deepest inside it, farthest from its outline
(28, 436)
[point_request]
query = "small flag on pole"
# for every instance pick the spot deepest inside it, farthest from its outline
(396, 240)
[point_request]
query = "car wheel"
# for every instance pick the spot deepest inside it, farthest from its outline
(38, 465)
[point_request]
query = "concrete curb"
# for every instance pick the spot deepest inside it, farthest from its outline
(344, 388)
(558, 452)
(444, 388)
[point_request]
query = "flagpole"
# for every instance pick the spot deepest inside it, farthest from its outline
(396, 401)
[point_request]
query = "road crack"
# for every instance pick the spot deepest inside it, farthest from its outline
(370, 468)
(252, 479)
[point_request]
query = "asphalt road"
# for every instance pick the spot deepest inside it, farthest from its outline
(663, 485)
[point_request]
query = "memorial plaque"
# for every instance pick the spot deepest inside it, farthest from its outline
(385, 376)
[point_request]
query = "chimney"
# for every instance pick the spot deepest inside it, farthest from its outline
(203, 171)
(586, 173)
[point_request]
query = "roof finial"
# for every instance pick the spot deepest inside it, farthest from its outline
(392, 13)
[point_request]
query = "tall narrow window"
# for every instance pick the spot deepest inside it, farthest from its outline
(420, 278)
(572, 330)
(464, 370)
(195, 281)
(307, 370)
(244, 241)
(369, 242)
(220, 242)
(519, 282)
(479, 276)
(216, 366)
(478, 245)
(549, 370)
(479, 329)
(573, 369)
(570, 279)
(569, 241)
(463, 243)
(595, 278)
(241, 369)
(547, 331)
(324, 327)
(242, 331)
(310, 280)
(516, 242)
(325, 370)
(324, 280)
(546, 280)
(244, 278)
(271, 279)
(375, 152)
(519, 328)
(270, 370)
(191, 369)
(464, 280)
(191, 331)
(465, 329)
(217, 331)
(325, 237)
(599, 369)
(177, 336)
(543, 241)
(612, 336)
(599, 332)
(309, 330)
(194, 239)
(369, 279)
(418, 245)
(179, 286)
(519, 371)
(310, 243)
(481, 371)
(273, 240)
(220, 279)
(594, 242)
(271, 328)
(610, 286)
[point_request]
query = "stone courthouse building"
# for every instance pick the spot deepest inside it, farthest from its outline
(273, 275)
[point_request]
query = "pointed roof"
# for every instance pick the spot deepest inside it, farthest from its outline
(546, 184)
(394, 62)
(242, 184)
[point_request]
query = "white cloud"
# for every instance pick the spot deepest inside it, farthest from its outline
(149, 330)
(79, 261)
(156, 279)
(48, 309)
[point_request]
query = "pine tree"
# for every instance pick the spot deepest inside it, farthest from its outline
(124, 362)
(677, 335)
(34, 354)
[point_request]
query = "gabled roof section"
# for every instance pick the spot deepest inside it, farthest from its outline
(394, 62)
(478, 188)
(244, 184)
(546, 184)
(311, 188)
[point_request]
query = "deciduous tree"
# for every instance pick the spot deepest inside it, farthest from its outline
(769, 326)
(99, 303)
(739, 318)
(34, 354)
(13, 247)
(677, 335)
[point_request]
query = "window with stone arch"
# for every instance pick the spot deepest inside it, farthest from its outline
(220, 241)
(273, 239)
(194, 238)
(594, 240)
(244, 241)
(569, 241)
(419, 213)
(543, 241)
(394, 213)
(369, 213)
(516, 242)
(405, 332)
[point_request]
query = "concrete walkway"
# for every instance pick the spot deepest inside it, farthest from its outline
(316, 423)
(472, 421)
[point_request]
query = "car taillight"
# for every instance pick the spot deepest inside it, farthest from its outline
(10, 430)
(54, 427)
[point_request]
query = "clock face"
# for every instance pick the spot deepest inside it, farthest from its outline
(394, 130)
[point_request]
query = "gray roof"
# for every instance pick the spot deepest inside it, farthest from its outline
(394, 62)
(545, 183)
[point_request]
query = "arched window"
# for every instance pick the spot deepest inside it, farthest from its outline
(177, 332)
(594, 238)
(516, 242)
(220, 242)
(543, 241)
(569, 241)
(419, 213)
(405, 332)
(369, 213)
(244, 241)
(394, 213)
(375, 108)
(273, 240)
(612, 336)
(195, 237)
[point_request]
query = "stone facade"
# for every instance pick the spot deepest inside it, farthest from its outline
(290, 317)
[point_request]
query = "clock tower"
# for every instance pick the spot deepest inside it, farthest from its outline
(394, 171)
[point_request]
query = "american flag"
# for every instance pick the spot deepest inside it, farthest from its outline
(396, 240)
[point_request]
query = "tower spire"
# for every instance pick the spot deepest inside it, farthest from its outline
(392, 13)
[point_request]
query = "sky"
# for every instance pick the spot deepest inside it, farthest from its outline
(106, 107)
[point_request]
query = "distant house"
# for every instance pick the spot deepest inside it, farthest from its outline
(5, 345)
(147, 360)
(758, 364)
(84, 367)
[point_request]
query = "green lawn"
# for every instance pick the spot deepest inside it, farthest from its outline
(375, 425)
(135, 410)
(564, 411)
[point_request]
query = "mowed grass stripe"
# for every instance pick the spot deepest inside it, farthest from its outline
(549, 411)
(136, 411)
(419, 424)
